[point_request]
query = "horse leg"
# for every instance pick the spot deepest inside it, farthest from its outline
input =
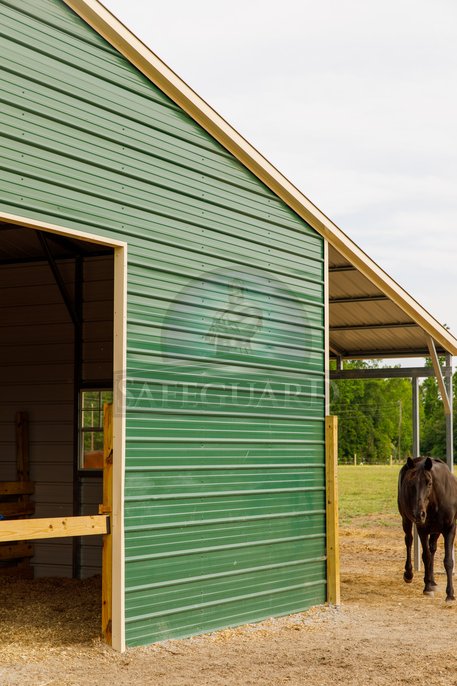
(426, 559)
(432, 545)
(449, 537)
(408, 529)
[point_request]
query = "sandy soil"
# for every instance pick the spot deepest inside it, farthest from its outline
(385, 632)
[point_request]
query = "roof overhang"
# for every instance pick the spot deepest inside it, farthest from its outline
(365, 321)
(382, 320)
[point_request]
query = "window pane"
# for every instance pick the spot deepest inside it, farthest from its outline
(91, 399)
(86, 417)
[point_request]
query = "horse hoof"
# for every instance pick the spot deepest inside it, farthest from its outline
(450, 599)
(429, 594)
(407, 579)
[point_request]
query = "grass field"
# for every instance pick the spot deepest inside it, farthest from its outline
(366, 490)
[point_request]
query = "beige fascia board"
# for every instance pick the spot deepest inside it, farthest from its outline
(123, 40)
(37, 225)
(326, 330)
(119, 442)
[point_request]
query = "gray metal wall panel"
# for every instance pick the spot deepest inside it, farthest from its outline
(91, 548)
(36, 375)
(98, 320)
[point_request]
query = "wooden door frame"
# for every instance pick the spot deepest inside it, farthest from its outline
(119, 366)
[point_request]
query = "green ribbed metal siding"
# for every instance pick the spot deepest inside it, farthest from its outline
(225, 505)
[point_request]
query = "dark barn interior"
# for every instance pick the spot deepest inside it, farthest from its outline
(56, 370)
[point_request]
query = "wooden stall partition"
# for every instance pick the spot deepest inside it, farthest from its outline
(16, 504)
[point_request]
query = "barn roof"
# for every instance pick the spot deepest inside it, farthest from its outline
(370, 315)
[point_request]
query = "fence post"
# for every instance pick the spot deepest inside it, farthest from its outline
(331, 479)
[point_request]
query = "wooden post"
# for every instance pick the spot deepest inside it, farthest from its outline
(22, 446)
(52, 527)
(106, 508)
(26, 506)
(331, 472)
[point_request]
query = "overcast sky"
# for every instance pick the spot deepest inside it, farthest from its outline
(355, 102)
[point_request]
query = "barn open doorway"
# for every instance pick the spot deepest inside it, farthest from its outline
(56, 340)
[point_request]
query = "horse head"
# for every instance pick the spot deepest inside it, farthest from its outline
(420, 486)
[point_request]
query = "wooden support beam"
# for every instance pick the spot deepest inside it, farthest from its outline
(53, 527)
(17, 509)
(439, 375)
(106, 508)
(15, 551)
(22, 446)
(16, 488)
(331, 477)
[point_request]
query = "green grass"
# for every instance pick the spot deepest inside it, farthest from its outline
(367, 490)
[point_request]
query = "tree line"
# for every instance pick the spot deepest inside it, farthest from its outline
(375, 417)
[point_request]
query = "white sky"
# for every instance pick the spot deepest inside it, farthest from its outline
(355, 102)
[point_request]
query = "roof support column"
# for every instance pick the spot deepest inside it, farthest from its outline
(416, 453)
(416, 425)
(447, 401)
(449, 417)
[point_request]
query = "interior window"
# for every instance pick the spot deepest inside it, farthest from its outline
(91, 427)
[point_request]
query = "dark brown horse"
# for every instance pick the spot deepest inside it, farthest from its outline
(427, 497)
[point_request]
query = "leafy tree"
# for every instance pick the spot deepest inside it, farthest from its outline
(375, 417)
(433, 424)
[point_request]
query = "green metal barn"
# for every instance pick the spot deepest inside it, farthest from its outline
(151, 258)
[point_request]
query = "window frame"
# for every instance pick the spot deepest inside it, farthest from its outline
(101, 388)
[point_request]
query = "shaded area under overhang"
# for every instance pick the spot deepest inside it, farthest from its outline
(366, 322)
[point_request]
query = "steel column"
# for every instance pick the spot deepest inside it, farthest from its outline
(416, 423)
(416, 453)
(449, 417)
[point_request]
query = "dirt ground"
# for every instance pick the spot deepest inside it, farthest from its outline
(385, 632)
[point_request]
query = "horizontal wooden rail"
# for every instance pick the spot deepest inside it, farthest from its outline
(17, 509)
(54, 527)
(16, 487)
(15, 551)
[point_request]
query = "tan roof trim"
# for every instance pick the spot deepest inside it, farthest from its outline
(108, 26)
